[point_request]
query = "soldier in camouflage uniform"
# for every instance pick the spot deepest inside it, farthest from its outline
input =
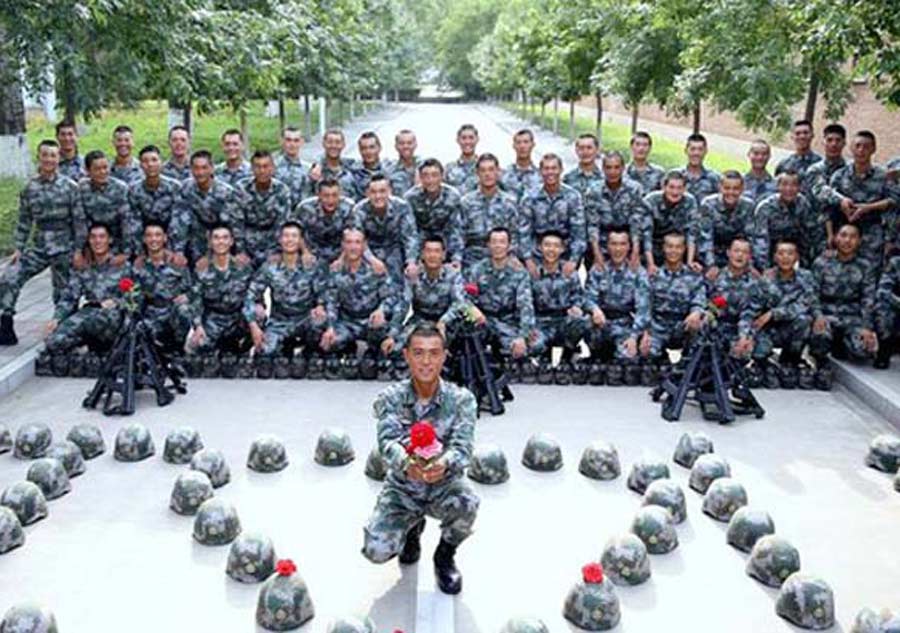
(234, 168)
(887, 323)
(672, 209)
(552, 206)
(220, 285)
(155, 199)
(359, 302)
(522, 176)
(737, 285)
(125, 167)
(789, 215)
(803, 157)
(178, 167)
(587, 171)
(298, 314)
(105, 200)
(725, 216)
(436, 209)
(700, 181)
(503, 303)
(288, 167)
(758, 182)
(483, 209)
(617, 300)
(816, 182)
(369, 165)
(613, 201)
(846, 281)
(322, 219)
(402, 172)
(389, 227)
(414, 489)
(332, 166)
(677, 301)
(557, 296)
(263, 204)
(165, 284)
(50, 205)
(461, 173)
(97, 321)
(70, 163)
(640, 170)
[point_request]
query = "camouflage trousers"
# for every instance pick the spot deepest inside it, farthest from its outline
(32, 262)
(728, 336)
(502, 333)
(552, 331)
(845, 329)
(400, 506)
(791, 336)
(284, 332)
(872, 245)
(609, 340)
(90, 325)
(169, 325)
(668, 334)
(223, 331)
(349, 330)
(887, 323)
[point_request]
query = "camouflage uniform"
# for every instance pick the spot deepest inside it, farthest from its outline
(129, 173)
(581, 180)
(740, 291)
(792, 302)
(887, 314)
(438, 216)
(233, 177)
(706, 184)
(799, 163)
(343, 176)
(759, 188)
(351, 299)
(109, 206)
(262, 213)
(797, 221)
(673, 296)
(391, 237)
(650, 178)
(541, 211)
(660, 218)
(439, 299)
(719, 225)
(624, 296)
(461, 175)
(323, 231)
(479, 214)
(846, 301)
(871, 186)
(201, 212)
(504, 297)
(295, 292)
(162, 205)
(294, 174)
(72, 168)
(402, 178)
(606, 208)
(401, 502)
(160, 284)
(90, 323)
(176, 172)
(520, 182)
(362, 176)
(816, 186)
(216, 302)
(553, 294)
(53, 207)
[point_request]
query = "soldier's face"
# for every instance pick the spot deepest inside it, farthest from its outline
(333, 144)
(431, 179)
(67, 137)
(232, 146)
(834, 145)
(329, 198)
(786, 257)
(802, 136)
(847, 240)
(48, 159)
(788, 188)
(696, 152)
(154, 239)
(220, 241)
(640, 148)
(731, 189)
(99, 171)
(433, 255)
(99, 241)
(151, 164)
(263, 170)
(378, 193)
(759, 157)
(551, 171)
(487, 174)
(586, 150)
(425, 356)
(739, 254)
(674, 249)
(369, 150)
(863, 149)
(291, 142)
(290, 240)
(124, 144)
(674, 190)
(498, 244)
(179, 144)
(612, 170)
(352, 244)
(551, 249)
(406, 146)
(523, 145)
(618, 246)
(467, 140)
(201, 170)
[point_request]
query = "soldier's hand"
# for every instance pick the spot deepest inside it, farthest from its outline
(635, 259)
(108, 304)
(328, 339)
(202, 264)
(762, 320)
(870, 340)
(16, 255)
(378, 266)
(457, 266)
(315, 172)
(387, 346)
(119, 260)
(713, 273)
(412, 271)
(652, 268)
(308, 260)
(599, 263)
(198, 336)
(743, 346)
(569, 267)
(178, 259)
(820, 325)
(435, 472)
(376, 319)
(243, 259)
(598, 318)
(442, 328)
(478, 315)
(771, 273)
(258, 336)
(337, 264)
(847, 206)
(631, 347)
(696, 266)
(646, 342)
(518, 348)
(693, 321)
(51, 326)
(532, 268)
(318, 314)
(78, 262)
(575, 311)
(180, 299)
(414, 472)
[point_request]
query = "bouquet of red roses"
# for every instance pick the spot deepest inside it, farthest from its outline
(424, 446)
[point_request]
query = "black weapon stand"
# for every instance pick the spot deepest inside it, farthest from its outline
(134, 363)
(472, 368)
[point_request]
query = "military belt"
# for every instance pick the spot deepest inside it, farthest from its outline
(223, 311)
(614, 314)
(356, 314)
(558, 312)
(291, 314)
(428, 316)
(54, 224)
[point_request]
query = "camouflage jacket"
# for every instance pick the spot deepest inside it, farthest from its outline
(520, 182)
(758, 188)
(621, 292)
(72, 168)
(796, 221)
(129, 173)
(606, 208)
(888, 297)
(660, 217)
(201, 211)
(323, 231)
(438, 216)
(219, 292)
(162, 205)
(294, 174)
(436, 299)
(846, 288)
(705, 184)
(720, 225)
(343, 175)
(261, 214)
(362, 175)
(816, 182)
(356, 295)
(553, 293)
(582, 180)
(294, 290)
(479, 214)
(107, 205)
(740, 291)
(94, 283)
(650, 178)
(402, 178)
(172, 170)
(541, 211)
(161, 283)
(674, 295)
(53, 209)
(872, 186)
(788, 298)
(389, 234)
(461, 175)
(233, 177)
(504, 293)
(799, 163)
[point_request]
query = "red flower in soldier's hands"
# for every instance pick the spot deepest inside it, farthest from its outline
(285, 567)
(471, 289)
(592, 573)
(126, 284)
(421, 434)
(720, 302)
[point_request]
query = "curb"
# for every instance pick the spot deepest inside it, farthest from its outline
(19, 370)
(867, 391)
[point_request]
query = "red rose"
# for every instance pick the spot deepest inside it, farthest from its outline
(421, 435)
(592, 573)
(471, 289)
(126, 284)
(285, 567)
(720, 302)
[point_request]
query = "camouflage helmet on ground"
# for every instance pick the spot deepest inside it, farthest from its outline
(251, 558)
(50, 476)
(669, 495)
(723, 498)
(6, 442)
(772, 560)
(350, 625)
(89, 439)
(690, 447)
(28, 618)
(646, 471)
(181, 445)
(26, 500)
(32, 441)
(625, 560)
(654, 526)
(542, 453)
(11, 533)
(747, 526)
(868, 621)
(707, 469)
(488, 465)
(807, 602)
(216, 523)
(600, 460)
(334, 448)
(284, 602)
(524, 625)
(884, 453)
(133, 443)
(69, 456)
(592, 604)
(267, 455)
(897, 482)
(212, 462)
(191, 489)
(376, 467)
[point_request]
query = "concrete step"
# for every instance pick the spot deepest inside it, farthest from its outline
(878, 389)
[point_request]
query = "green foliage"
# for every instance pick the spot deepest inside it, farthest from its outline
(466, 23)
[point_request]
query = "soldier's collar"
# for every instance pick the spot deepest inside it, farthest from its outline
(412, 397)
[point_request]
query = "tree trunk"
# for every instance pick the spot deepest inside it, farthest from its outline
(245, 132)
(281, 114)
(188, 120)
(634, 117)
(70, 110)
(352, 106)
(697, 118)
(543, 111)
(572, 120)
(812, 95)
(14, 158)
(556, 114)
(599, 124)
(307, 118)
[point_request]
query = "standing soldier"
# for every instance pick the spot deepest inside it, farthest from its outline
(402, 172)
(178, 167)
(49, 205)
(333, 166)
(888, 314)
(483, 209)
(758, 182)
(264, 204)
(155, 199)
(436, 207)
(700, 181)
(613, 201)
(461, 172)
(586, 172)
(737, 285)
(70, 163)
(322, 219)
(519, 178)
(288, 167)
(104, 200)
(788, 215)
(125, 167)
(369, 165)
(412, 489)
(803, 157)
(815, 184)
(672, 209)
(640, 170)
(234, 168)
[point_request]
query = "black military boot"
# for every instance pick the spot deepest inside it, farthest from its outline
(368, 367)
(210, 365)
(807, 378)
(7, 333)
(350, 368)
(597, 373)
(282, 369)
(615, 375)
(649, 374)
(245, 367)
(449, 579)
(412, 548)
(823, 376)
(76, 364)
(545, 372)
(883, 358)
(315, 368)
(60, 364)
(264, 367)
(298, 367)
(580, 369)
(332, 368)
(228, 366)
(632, 377)
(529, 371)
(385, 370)
(43, 364)
(771, 375)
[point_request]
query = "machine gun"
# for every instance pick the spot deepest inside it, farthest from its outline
(472, 367)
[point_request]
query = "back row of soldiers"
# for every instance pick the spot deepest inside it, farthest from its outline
(344, 259)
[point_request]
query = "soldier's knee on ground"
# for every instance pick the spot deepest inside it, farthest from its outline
(381, 547)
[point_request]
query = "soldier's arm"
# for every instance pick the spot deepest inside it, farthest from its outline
(526, 240)
(26, 218)
(401, 307)
(410, 235)
(525, 304)
(331, 295)
(870, 284)
(78, 217)
(816, 283)
(390, 430)
(179, 224)
(700, 226)
(636, 221)
(698, 295)
(69, 297)
(591, 293)
(458, 447)
(647, 226)
(388, 294)
(455, 241)
(458, 300)
(590, 201)
(578, 231)
(760, 232)
(254, 294)
(641, 304)
(235, 202)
